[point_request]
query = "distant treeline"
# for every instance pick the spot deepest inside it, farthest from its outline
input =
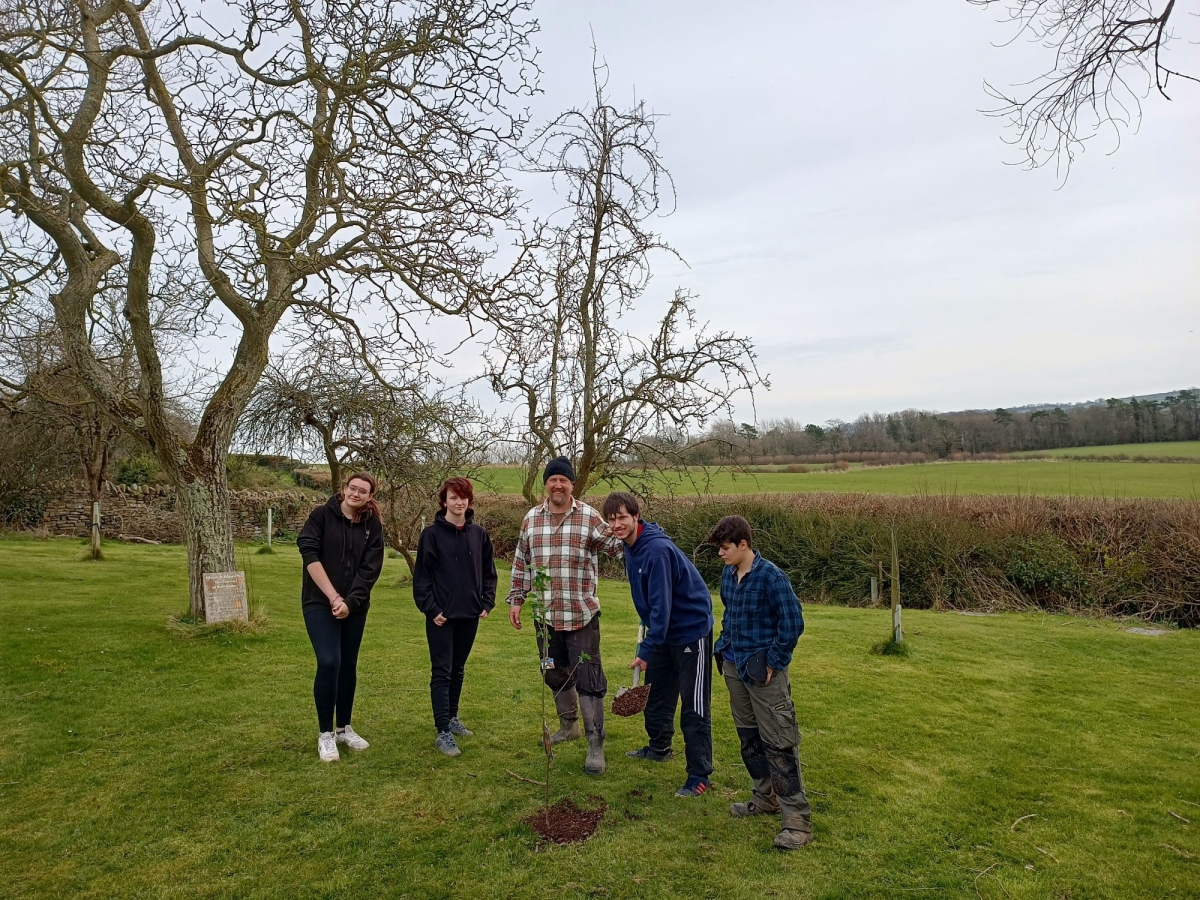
(1175, 417)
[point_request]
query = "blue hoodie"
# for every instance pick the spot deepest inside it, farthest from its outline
(668, 593)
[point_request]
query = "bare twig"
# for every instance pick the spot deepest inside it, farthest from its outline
(526, 780)
(1047, 852)
(1014, 825)
(1179, 817)
(975, 883)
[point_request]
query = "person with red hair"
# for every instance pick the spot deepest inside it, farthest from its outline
(454, 585)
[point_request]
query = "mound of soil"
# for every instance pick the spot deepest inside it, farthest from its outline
(566, 823)
(632, 701)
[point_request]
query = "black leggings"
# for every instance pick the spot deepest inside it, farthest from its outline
(449, 646)
(336, 643)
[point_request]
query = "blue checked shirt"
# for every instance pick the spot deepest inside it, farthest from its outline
(761, 613)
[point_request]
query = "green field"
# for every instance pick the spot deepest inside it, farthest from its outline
(1036, 477)
(1015, 756)
(1177, 449)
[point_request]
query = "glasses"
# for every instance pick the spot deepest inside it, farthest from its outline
(358, 492)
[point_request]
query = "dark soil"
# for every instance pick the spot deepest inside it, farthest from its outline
(632, 702)
(566, 823)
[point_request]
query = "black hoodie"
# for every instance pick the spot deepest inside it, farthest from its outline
(455, 575)
(350, 552)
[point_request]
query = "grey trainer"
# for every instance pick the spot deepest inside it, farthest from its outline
(445, 743)
(458, 729)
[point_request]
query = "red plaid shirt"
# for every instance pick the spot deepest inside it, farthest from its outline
(568, 551)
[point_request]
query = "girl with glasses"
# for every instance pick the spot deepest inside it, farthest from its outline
(342, 547)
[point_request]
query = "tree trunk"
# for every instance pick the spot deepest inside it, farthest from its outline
(529, 488)
(208, 529)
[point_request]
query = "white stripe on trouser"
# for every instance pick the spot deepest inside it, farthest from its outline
(698, 690)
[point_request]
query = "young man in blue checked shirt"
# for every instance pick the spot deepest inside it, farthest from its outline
(759, 630)
(676, 653)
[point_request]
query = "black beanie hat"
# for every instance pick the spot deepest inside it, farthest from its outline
(559, 466)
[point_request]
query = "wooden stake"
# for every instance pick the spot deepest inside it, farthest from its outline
(95, 529)
(270, 526)
(897, 631)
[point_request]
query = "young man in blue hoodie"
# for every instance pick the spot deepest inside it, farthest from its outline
(676, 653)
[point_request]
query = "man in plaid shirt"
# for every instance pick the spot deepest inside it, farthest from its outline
(759, 630)
(563, 535)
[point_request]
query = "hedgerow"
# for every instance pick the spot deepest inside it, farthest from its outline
(1117, 557)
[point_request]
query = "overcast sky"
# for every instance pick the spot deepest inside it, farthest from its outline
(843, 201)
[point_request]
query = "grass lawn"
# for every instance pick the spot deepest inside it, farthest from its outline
(1037, 477)
(1015, 756)
(1180, 449)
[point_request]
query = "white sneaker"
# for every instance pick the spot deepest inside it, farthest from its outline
(351, 740)
(327, 747)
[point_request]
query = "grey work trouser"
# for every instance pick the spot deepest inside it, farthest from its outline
(765, 718)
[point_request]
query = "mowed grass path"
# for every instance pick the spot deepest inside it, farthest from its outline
(1035, 477)
(1017, 756)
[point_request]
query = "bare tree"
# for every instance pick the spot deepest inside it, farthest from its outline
(414, 447)
(585, 386)
(40, 390)
(410, 433)
(319, 403)
(290, 157)
(1108, 54)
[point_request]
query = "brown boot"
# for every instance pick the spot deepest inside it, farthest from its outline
(797, 831)
(593, 722)
(792, 839)
(566, 702)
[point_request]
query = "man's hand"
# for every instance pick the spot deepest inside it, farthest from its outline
(514, 616)
(340, 609)
(483, 615)
(638, 663)
(770, 672)
(439, 619)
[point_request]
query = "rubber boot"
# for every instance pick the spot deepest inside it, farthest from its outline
(566, 702)
(593, 723)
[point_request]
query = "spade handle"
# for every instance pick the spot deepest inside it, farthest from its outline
(637, 672)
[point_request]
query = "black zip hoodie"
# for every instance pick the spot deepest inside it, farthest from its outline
(456, 574)
(350, 552)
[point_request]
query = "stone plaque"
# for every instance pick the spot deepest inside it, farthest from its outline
(225, 597)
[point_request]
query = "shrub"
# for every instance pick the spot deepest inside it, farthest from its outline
(137, 470)
(1043, 564)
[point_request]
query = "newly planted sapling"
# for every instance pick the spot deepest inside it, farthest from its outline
(537, 600)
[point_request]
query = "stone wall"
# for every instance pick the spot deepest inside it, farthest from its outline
(151, 512)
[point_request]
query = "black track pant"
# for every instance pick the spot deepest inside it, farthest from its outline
(449, 646)
(336, 643)
(682, 672)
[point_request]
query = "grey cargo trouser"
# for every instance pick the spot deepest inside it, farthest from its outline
(765, 718)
